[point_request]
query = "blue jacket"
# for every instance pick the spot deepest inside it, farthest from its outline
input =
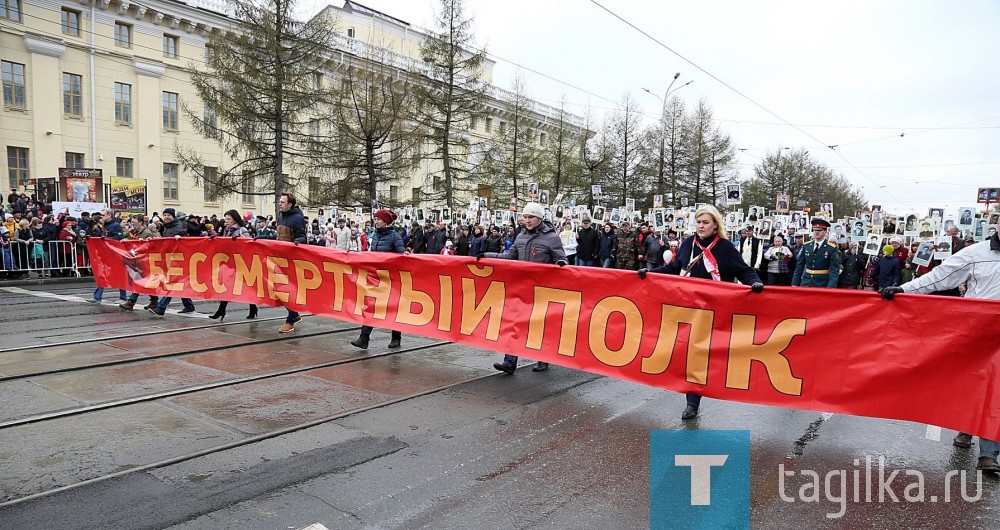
(888, 271)
(387, 240)
(114, 228)
(477, 244)
(292, 226)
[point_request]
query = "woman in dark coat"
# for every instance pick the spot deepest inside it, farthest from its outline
(233, 228)
(711, 256)
(853, 264)
(606, 252)
(386, 239)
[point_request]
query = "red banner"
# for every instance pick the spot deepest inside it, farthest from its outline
(922, 358)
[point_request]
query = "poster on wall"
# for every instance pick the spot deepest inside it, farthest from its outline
(81, 184)
(128, 195)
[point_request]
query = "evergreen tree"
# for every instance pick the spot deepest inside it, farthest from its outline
(257, 90)
(451, 93)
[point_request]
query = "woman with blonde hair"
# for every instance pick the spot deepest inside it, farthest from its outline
(708, 255)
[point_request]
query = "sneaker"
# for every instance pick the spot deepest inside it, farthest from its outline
(286, 327)
(963, 440)
(126, 306)
(988, 463)
(94, 301)
(155, 312)
(689, 412)
(187, 310)
(360, 343)
(540, 367)
(505, 367)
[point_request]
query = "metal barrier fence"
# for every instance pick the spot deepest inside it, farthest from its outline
(24, 259)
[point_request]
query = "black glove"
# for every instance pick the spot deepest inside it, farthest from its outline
(234, 237)
(562, 263)
(642, 273)
(480, 256)
(757, 287)
(890, 292)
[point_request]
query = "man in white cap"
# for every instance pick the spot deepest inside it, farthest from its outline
(539, 243)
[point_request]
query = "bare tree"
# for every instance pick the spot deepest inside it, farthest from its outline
(512, 156)
(625, 130)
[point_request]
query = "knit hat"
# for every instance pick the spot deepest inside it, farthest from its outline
(385, 215)
(534, 209)
(170, 211)
(888, 250)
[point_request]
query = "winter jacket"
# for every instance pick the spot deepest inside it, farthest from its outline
(730, 262)
(541, 245)
(114, 229)
(888, 272)
(434, 241)
(606, 250)
(588, 243)
(292, 226)
(477, 244)
(174, 228)
(852, 265)
(387, 240)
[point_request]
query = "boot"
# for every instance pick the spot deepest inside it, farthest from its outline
(253, 312)
(361, 342)
(219, 314)
(394, 343)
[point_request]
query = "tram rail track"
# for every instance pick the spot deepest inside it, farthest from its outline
(274, 433)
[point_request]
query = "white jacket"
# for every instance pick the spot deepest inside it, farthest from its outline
(343, 235)
(978, 265)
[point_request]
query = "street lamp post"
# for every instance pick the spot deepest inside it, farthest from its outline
(663, 132)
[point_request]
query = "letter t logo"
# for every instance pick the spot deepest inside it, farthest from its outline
(701, 475)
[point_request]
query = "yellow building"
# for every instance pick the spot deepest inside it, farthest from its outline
(101, 84)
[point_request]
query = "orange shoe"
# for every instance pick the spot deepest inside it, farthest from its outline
(285, 328)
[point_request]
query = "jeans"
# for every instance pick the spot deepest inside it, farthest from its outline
(988, 447)
(99, 294)
(608, 263)
(134, 297)
(292, 317)
(161, 306)
(586, 262)
(512, 359)
(693, 400)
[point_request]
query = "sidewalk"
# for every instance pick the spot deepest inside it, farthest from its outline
(47, 281)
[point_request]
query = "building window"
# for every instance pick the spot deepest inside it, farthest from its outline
(208, 182)
(393, 193)
(123, 167)
(170, 111)
(313, 188)
(13, 84)
(209, 55)
(70, 22)
(123, 35)
(248, 188)
(211, 126)
(502, 127)
(74, 159)
(17, 166)
(72, 95)
(438, 183)
(170, 44)
(11, 10)
(416, 195)
(489, 125)
(541, 139)
(317, 80)
(350, 33)
(123, 103)
(169, 182)
(473, 122)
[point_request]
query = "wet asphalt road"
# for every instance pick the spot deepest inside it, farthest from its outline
(560, 449)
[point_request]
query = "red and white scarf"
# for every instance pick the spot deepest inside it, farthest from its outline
(711, 265)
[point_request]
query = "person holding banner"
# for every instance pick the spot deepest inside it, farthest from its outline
(708, 255)
(978, 268)
(538, 243)
(385, 240)
(233, 228)
(291, 228)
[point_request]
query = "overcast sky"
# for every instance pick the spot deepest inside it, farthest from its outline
(908, 90)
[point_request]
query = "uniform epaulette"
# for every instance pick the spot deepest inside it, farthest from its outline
(832, 244)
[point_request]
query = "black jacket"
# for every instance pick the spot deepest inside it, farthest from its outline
(731, 264)
(588, 242)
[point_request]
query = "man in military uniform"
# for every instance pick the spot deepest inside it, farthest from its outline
(819, 264)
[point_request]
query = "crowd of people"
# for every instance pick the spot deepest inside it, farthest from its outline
(791, 257)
